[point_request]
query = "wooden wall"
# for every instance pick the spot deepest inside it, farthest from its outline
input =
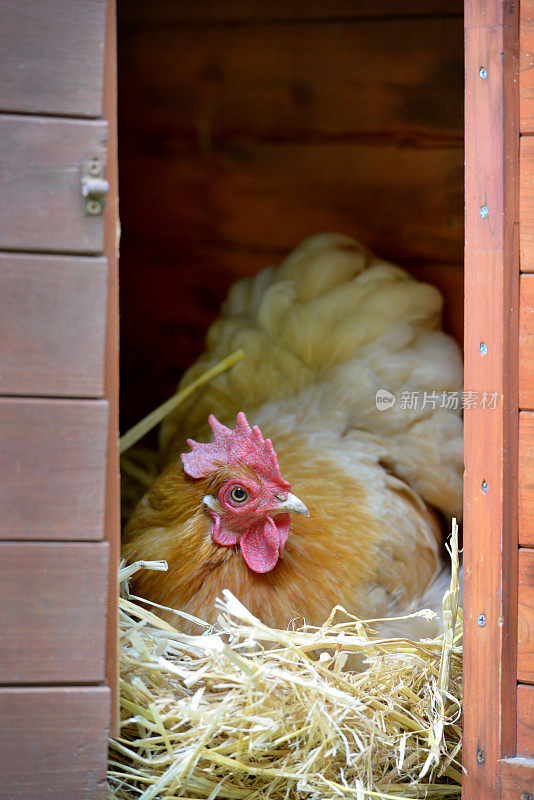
(525, 630)
(55, 400)
(246, 126)
(498, 751)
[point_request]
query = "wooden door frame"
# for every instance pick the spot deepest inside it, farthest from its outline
(491, 364)
(111, 251)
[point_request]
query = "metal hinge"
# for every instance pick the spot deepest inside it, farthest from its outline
(94, 187)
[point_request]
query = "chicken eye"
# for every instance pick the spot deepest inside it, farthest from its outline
(238, 494)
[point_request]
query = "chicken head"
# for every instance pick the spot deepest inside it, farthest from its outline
(248, 499)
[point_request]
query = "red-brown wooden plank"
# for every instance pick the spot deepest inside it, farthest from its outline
(526, 72)
(52, 468)
(41, 204)
(53, 743)
(517, 779)
(405, 203)
(526, 479)
(52, 325)
(53, 612)
(111, 249)
(166, 12)
(374, 82)
(525, 720)
(526, 193)
(526, 342)
(51, 56)
(491, 340)
(525, 643)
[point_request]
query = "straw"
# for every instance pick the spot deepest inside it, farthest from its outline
(247, 711)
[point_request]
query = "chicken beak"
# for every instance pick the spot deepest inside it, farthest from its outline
(293, 505)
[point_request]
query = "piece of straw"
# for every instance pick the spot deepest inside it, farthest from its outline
(155, 417)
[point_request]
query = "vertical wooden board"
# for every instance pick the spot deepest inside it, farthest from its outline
(491, 341)
(53, 743)
(485, 188)
(52, 325)
(525, 721)
(526, 66)
(111, 245)
(526, 204)
(526, 342)
(53, 612)
(525, 643)
(41, 205)
(52, 468)
(51, 56)
(526, 479)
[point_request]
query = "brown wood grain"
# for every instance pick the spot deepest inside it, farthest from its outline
(525, 720)
(166, 12)
(263, 197)
(52, 468)
(111, 249)
(491, 317)
(525, 660)
(54, 743)
(526, 72)
(526, 193)
(51, 56)
(526, 342)
(52, 321)
(53, 612)
(41, 204)
(517, 778)
(399, 80)
(526, 479)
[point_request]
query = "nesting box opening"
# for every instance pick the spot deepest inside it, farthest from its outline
(245, 129)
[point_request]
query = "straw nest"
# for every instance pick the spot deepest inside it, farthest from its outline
(245, 711)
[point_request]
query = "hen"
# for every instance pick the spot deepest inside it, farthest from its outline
(322, 333)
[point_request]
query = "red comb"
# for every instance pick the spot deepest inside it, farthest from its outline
(241, 445)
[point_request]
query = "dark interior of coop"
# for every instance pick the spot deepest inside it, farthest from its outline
(245, 127)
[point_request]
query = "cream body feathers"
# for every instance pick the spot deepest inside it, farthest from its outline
(323, 333)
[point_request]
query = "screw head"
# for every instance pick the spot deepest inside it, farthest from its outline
(484, 212)
(481, 621)
(94, 168)
(94, 207)
(526, 796)
(483, 72)
(481, 756)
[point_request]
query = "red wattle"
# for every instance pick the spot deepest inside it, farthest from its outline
(221, 536)
(263, 543)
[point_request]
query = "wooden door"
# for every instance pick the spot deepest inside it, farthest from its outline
(499, 443)
(58, 398)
